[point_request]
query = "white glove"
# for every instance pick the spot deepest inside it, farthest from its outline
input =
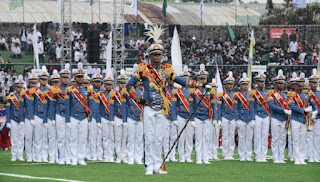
(215, 122)
(32, 122)
(22, 124)
(175, 122)
(193, 124)
(308, 109)
(99, 125)
(219, 123)
(253, 122)
(125, 125)
(314, 115)
(112, 123)
(46, 125)
(69, 125)
(8, 125)
(287, 112)
(53, 122)
(238, 123)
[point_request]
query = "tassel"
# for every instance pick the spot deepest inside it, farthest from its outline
(164, 167)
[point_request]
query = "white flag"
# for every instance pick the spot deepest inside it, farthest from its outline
(201, 11)
(238, 3)
(134, 7)
(109, 52)
(35, 46)
(176, 53)
(59, 2)
(218, 81)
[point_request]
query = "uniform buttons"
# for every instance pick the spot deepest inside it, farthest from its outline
(76, 114)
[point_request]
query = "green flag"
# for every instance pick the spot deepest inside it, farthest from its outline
(15, 4)
(231, 33)
(164, 8)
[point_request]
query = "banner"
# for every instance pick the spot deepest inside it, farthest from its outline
(231, 33)
(252, 43)
(109, 52)
(164, 8)
(134, 7)
(59, 2)
(15, 4)
(299, 4)
(201, 11)
(275, 33)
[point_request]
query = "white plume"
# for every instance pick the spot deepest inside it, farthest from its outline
(185, 69)
(122, 72)
(135, 67)
(109, 74)
(230, 73)
(55, 72)
(20, 78)
(44, 68)
(294, 75)
(306, 81)
(202, 67)
(213, 80)
(261, 72)
(280, 72)
(80, 66)
(98, 71)
(67, 66)
(154, 32)
(302, 75)
(314, 71)
(244, 75)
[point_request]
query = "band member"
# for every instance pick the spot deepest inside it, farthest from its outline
(216, 127)
(55, 82)
(79, 104)
(135, 126)
(14, 123)
(244, 123)
(95, 135)
(314, 135)
(203, 119)
(280, 114)
(86, 83)
(26, 103)
(260, 113)
(154, 77)
(185, 107)
(41, 117)
(120, 119)
(107, 118)
(227, 113)
(300, 105)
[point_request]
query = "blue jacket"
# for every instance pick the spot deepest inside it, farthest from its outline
(120, 104)
(276, 110)
(243, 112)
(73, 106)
(255, 107)
(313, 104)
(60, 103)
(27, 104)
(41, 107)
(96, 104)
(172, 116)
(12, 112)
(224, 110)
(103, 112)
(297, 112)
(202, 111)
(133, 110)
(150, 93)
(187, 92)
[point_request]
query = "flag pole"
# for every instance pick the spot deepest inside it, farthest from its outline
(92, 12)
(99, 11)
(201, 29)
(23, 11)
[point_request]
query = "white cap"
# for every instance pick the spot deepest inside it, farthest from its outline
(230, 78)
(244, 79)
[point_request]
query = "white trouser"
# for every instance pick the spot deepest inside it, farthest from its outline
(261, 133)
(290, 152)
(202, 134)
(154, 127)
(95, 138)
(52, 141)
(41, 140)
(215, 140)
(313, 141)
(79, 134)
(107, 140)
(120, 137)
(135, 140)
(278, 141)
(88, 147)
(185, 140)
(61, 137)
(28, 139)
(228, 143)
(299, 140)
(173, 137)
(166, 139)
(16, 138)
(68, 143)
(210, 142)
(245, 134)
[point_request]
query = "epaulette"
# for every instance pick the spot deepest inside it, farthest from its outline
(8, 97)
(252, 92)
(213, 91)
(235, 94)
(174, 91)
(305, 91)
(192, 90)
(22, 93)
(32, 90)
(270, 98)
(89, 89)
(112, 93)
(220, 94)
(124, 91)
(291, 94)
(141, 67)
(68, 89)
(269, 92)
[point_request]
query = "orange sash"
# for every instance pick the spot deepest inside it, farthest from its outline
(118, 97)
(40, 95)
(15, 101)
(60, 94)
(244, 101)
(262, 102)
(228, 100)
(316, 100)
(205, 101)
(82, 100)
(280, 100)
(300, 103)
(183, 99)
(95, 98)
(105, 101)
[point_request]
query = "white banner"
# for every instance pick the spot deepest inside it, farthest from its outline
(134, 7)
(258, 68)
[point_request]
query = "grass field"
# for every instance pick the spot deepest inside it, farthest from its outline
(219, 170)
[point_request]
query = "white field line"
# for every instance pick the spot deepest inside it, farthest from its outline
(33, 177)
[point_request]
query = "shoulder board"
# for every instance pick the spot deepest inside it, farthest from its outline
(8, 97)
(32, 90)
(235, 94)
(192, 90)
(291, 94)
(269, 92)
(142, 66)
(89, 89)
(252, 92)
(213, 91)
(69, 89)
(124, 91)
(305, 91)
(220, 94)
(174, 91)
(112, 94)
(22, 93)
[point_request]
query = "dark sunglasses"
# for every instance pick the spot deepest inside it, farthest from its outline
(64, 77)
(43, 79)
(79, 76)
(19, 86)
